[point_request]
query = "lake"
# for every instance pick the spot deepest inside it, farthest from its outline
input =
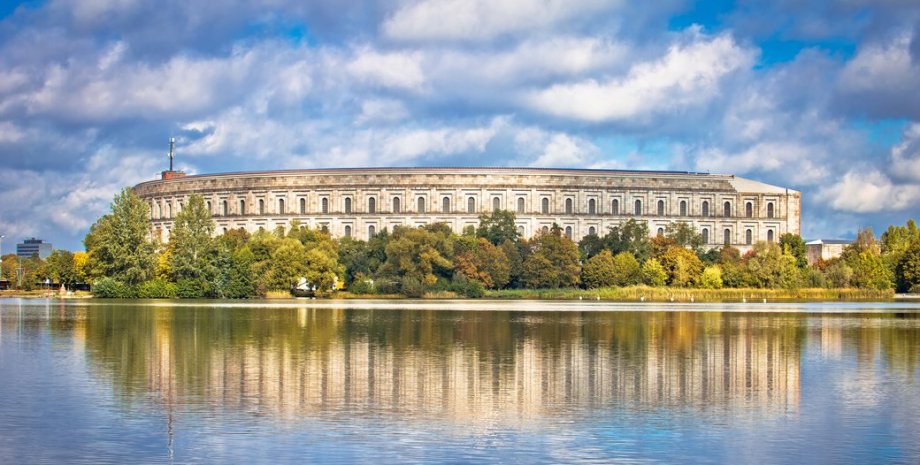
(88, 381)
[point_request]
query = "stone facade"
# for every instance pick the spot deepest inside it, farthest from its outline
(362, 201)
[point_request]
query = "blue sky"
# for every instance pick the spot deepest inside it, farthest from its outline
(818, 96)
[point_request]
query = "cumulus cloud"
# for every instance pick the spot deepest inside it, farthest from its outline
(388, 69)
(905, 157)
(477, 20)
(881, 80)
(686, 76)
(869, 191)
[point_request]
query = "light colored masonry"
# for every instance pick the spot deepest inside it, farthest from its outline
(359, 202)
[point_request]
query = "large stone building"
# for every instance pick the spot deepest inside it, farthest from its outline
(359, 202)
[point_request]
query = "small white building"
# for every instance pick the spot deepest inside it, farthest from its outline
(824, 249)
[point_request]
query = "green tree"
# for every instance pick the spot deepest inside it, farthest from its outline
(497, 227)
(682, 266)
(631, 236)
(869, 271)
(422, 254)
(119, 243)
(795, 245)
(553, 262)
(626, 270)
(191, 243)
(599, 270)
(838, 274)
(909, 267)
(591, 245)
(895, 242)
(61, 268)
(684, 235)
(772, 267)
(653, 274)
(711, 278)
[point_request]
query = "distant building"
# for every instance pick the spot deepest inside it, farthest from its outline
(824, 249)
(33, 246)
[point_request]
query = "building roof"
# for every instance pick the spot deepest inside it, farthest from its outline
(829, 242)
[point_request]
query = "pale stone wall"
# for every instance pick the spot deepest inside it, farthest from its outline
(580, 201)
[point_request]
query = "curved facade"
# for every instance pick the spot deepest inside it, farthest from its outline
(359, 202)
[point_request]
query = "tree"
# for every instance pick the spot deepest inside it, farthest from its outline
(423, 254)
(794, 244)
(553, 262)
(838, 274)
(599, 270)
(863, 256)
(119, 244)
(895, 242)
(485, 263)
(61, 268)
(653, 274)
(191, 244)
(497, 227)
(909, 267)
(591, 245)
(626, 270)
(682, 266)
(512, 251)
(711, 277)
(631, 236)
(771, 267)
(684, 235)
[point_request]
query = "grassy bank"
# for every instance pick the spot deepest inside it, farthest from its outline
(668, 294)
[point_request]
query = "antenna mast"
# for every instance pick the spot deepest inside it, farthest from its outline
(172, 152)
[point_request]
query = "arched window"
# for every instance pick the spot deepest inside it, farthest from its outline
(420, 205)
(261, 207)
(225, 209)
(242, 207)
(169, 209)
(545, 229)
(592, 207)
(470, 205)
(225, 230)
(496, 203)
(568, 206)
(395, 204)
(615, 207)
(372, 205)
(324, 204)
(638, 207)
(661, 208)
(705, 235)
(727, 237)
(155, 210)
(347, 204)
(568, 232)
(371, 231)
(683, 208)
(748, 237)
(520, 205)
(347, 231)
(520, 231)
(303, 206)
(445, 205)
(749, 210)
(208, 206)
(727, 209)
(592, 230)
(544, 205)
(770, 211)
(769, 235)
(660, 232)
(281, 206)
(705, 209)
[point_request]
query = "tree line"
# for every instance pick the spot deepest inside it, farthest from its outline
(122, 261)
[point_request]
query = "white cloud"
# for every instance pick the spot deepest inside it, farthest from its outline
(538, 147)
(381, 111)
(867, 191)
(884, 66)
(905, 157)
(476, 20)
(798, 162)
(687, 75)
(398, 69)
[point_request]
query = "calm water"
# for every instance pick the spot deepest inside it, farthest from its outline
(161, 382)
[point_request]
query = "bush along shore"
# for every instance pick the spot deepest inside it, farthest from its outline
(491, 260)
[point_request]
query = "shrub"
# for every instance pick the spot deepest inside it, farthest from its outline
(711, 278)
(108, 288)
(362, 286)
(653, 274)
(467, 287)
(412, 287)
(599, 271)
(157, 289)
(191, 288)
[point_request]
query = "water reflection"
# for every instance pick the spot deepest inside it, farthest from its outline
(484, 366)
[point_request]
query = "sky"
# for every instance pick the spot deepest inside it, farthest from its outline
(821, 96)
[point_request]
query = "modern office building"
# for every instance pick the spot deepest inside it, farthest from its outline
(33, 246)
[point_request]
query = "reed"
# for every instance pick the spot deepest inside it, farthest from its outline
(672, 294)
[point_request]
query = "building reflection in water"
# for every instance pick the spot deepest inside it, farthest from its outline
(477, 366)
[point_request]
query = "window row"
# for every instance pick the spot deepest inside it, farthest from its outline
(471, 207)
